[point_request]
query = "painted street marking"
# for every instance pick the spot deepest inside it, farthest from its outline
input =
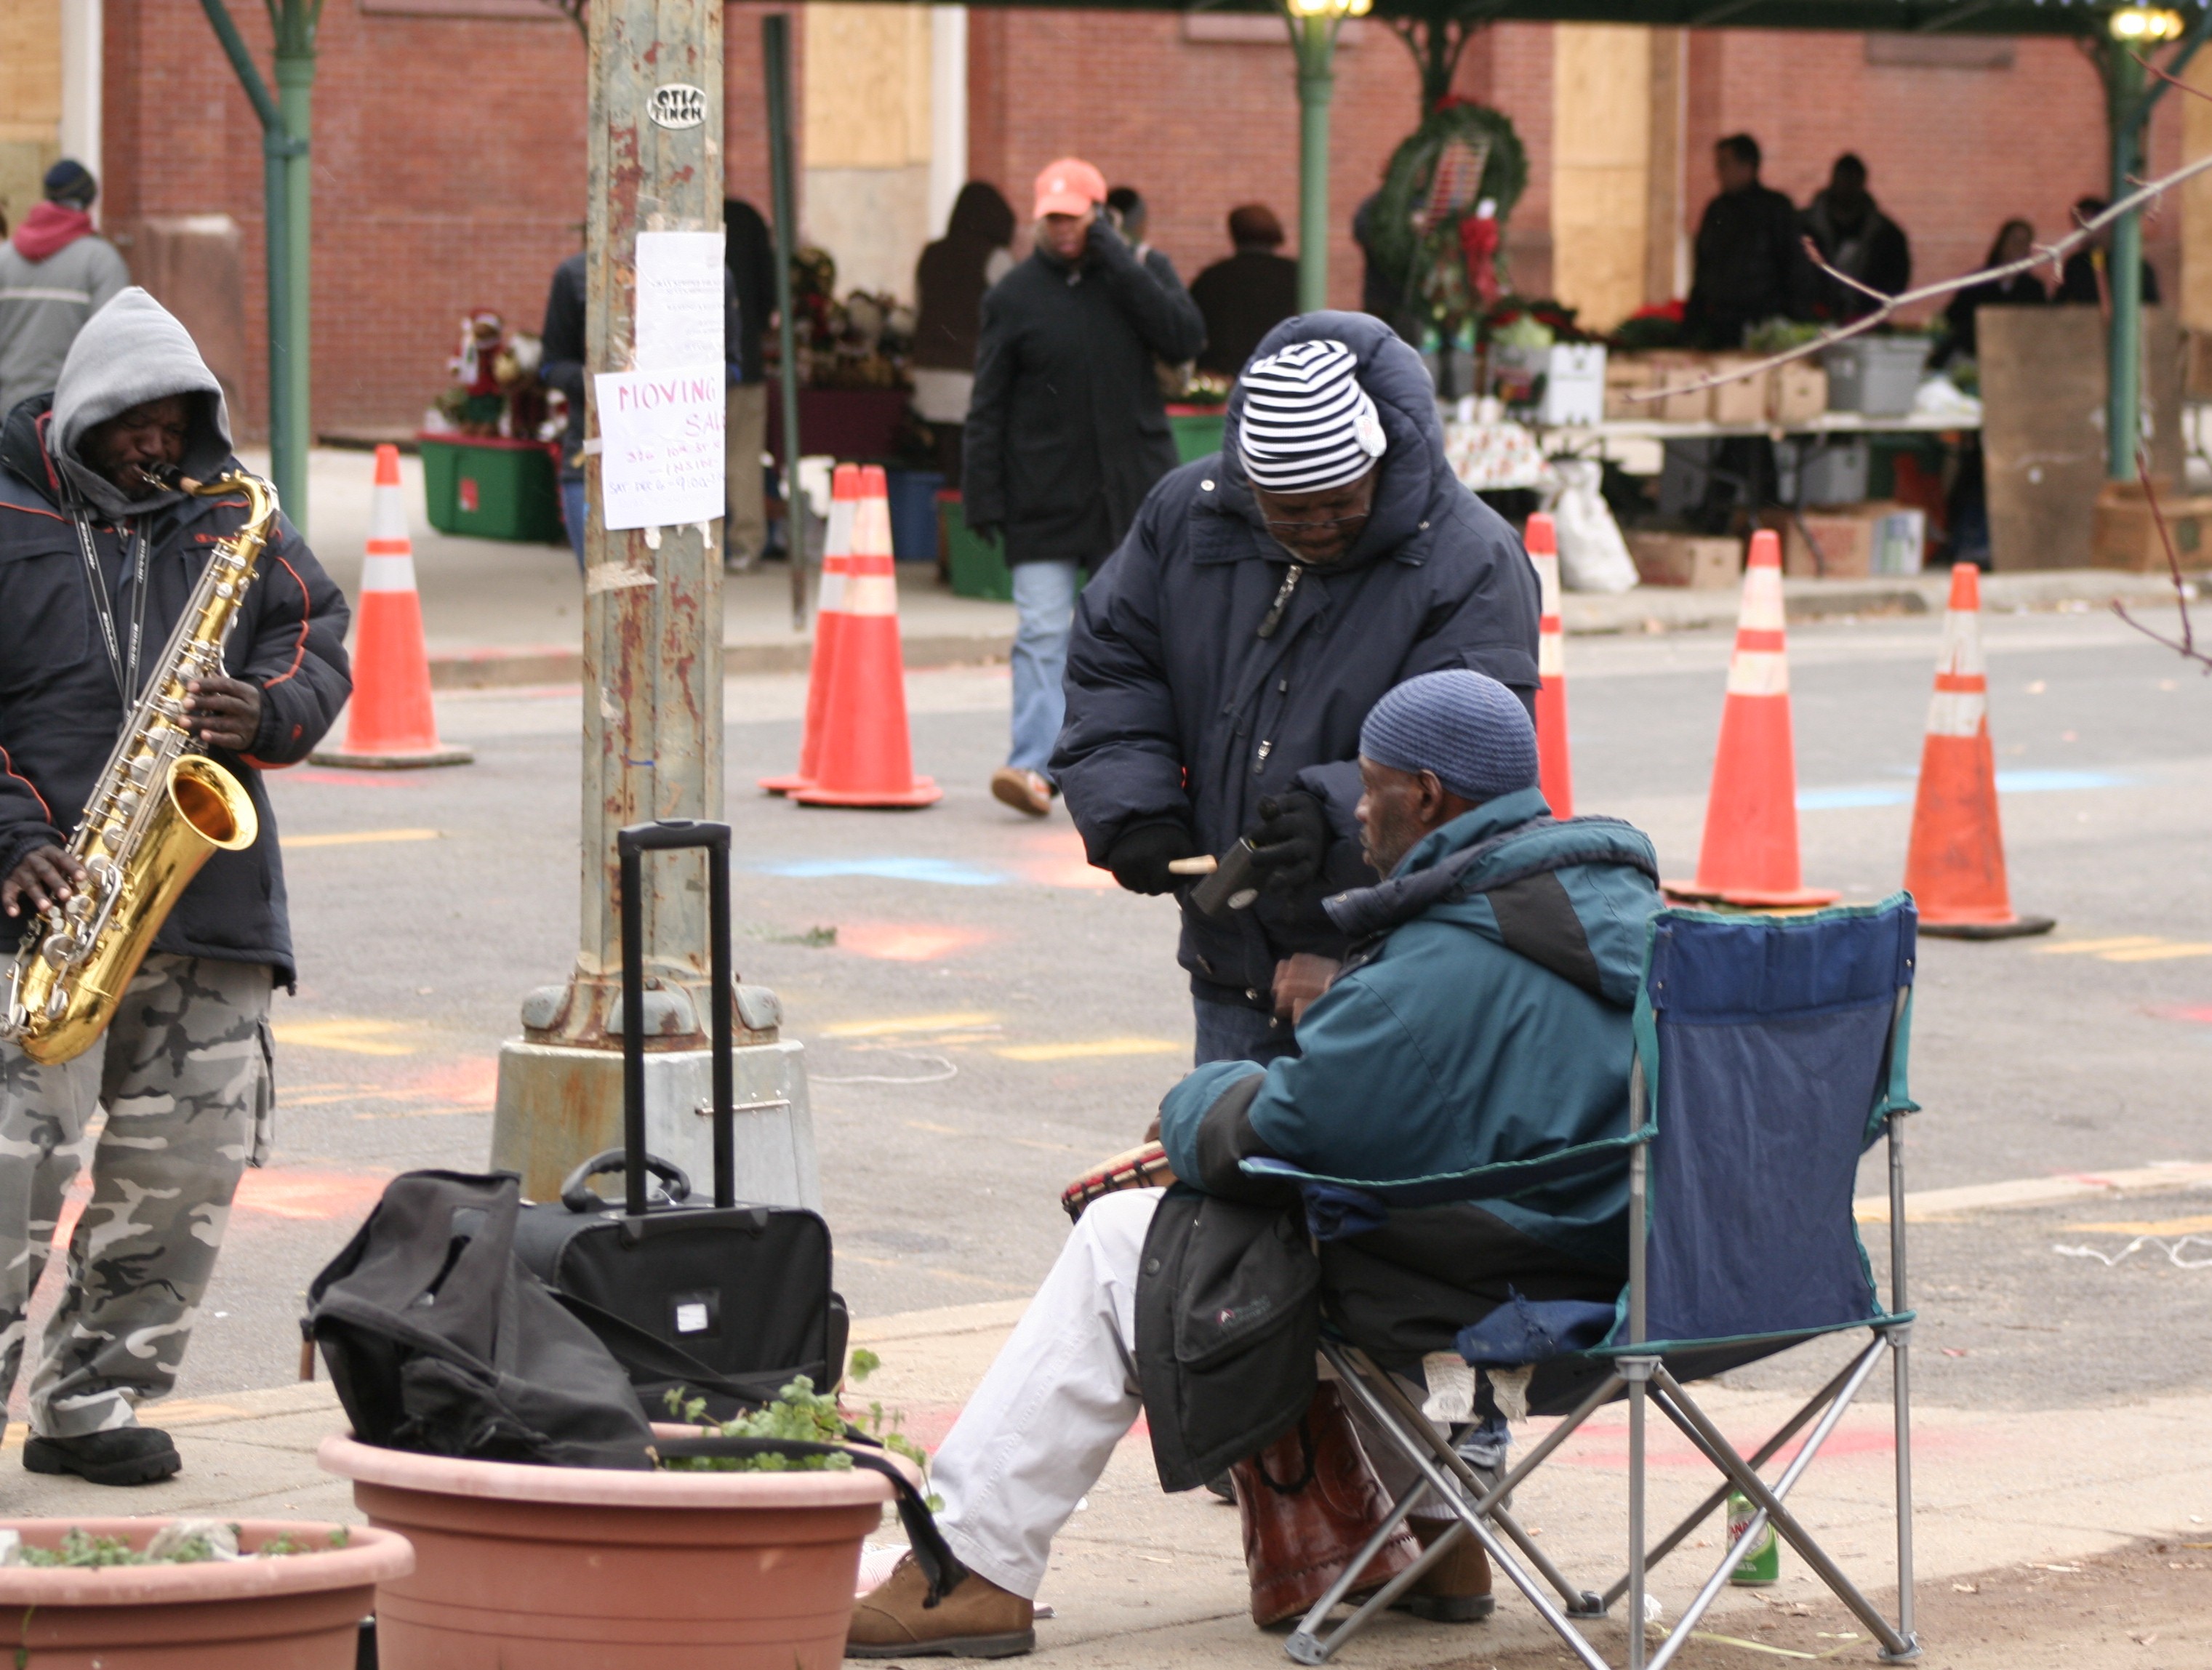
(2008, 782)
(2129, 947)
(891, 1023)
(359, 838)
(281, 1192)
(1099, 1047)
(1925, 1204)
(354, 1037)
(946, 872)
(2167, 1226)
(908, 942)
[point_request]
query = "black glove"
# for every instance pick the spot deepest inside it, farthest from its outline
(1140, 857)
(1289, 841)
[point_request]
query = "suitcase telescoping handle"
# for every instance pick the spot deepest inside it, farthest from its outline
(674, 835)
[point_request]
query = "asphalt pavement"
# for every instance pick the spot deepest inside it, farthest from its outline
(985, 1015)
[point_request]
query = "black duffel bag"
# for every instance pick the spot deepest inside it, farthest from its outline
(728, 1303)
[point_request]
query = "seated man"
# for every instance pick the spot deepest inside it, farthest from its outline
(1483, 1017)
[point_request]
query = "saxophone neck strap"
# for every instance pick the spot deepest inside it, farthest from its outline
(137, 548)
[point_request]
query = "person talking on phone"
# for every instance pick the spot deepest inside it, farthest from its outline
(1223, 658)
(1067, 432)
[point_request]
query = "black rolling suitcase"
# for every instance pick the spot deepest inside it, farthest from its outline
(728, 1301)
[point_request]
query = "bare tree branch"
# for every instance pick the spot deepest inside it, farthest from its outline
(2186, 648)
(2052, 254)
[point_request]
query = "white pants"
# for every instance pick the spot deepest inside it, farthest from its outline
(1060, 1395)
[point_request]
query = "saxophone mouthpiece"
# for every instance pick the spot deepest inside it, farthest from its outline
(168, 477)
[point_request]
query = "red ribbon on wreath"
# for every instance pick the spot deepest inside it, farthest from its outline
(1478, 243)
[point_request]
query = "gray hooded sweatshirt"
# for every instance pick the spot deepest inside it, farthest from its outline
(43, 306)
(134, 350)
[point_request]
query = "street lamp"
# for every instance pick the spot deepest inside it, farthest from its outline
(2145, 25)
(1314, 24)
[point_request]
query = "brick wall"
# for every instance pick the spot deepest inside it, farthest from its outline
(449, 168)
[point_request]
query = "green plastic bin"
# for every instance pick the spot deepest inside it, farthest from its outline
(1197, 430)
(492, 489)
(977, 565)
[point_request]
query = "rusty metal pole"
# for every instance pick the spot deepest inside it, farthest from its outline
(653, 690)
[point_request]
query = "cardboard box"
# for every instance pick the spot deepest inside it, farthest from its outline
(1627, 374)
(2125, 533)
(1856, 542)
(1797, 392)
(1686, 559)
(1695, 406)
(1744, 401)
(1574, 384)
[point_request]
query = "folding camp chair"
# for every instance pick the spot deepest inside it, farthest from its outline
(1773, 1050)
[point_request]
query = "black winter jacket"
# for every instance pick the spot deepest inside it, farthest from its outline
(1067, 428)
(60, 710)
(1749, 268)
(1179, 712)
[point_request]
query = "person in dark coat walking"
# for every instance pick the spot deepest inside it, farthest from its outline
(562, 367)
(749, 253)
(1248, 296)
(1266, 599)
(97, 562)
(950, 282)
(1855, 238)
(1749, 266)
(1067, 433)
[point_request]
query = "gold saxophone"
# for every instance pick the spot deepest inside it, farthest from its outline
(159, 811)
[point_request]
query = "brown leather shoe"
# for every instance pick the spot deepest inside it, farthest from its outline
(1456, 1588)
(977, 1619)
(1309, 1501)
(1024, 791)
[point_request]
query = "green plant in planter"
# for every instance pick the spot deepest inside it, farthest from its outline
(801, 1414)
(183, 1542)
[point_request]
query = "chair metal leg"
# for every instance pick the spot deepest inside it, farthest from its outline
(1348, 1579)
(1901, 1339)
(1684, 1412)
(1444, 1480)
(1637, 1370)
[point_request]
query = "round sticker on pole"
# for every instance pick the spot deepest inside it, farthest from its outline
(678, 105)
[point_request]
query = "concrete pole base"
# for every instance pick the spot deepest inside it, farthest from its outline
(557, 1104)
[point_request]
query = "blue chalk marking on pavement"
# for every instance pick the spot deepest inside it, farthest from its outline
(2008, 782)
(944, 871)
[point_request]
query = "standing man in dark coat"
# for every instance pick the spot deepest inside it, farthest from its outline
(1248, 296)
(1857, 239)
(562, 367)
(1749, 263)
(1067, 432)
(1267, 597)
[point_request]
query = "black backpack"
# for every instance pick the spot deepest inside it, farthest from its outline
(439, 1340)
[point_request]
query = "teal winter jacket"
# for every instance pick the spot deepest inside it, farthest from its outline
(1483, 1017)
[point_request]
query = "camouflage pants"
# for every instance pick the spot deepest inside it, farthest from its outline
(184, 1073)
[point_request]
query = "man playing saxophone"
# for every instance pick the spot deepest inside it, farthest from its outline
(100, 551)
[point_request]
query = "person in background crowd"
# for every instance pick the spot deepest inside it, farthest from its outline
(950, 282)
(55, 274)
(1132, 219)
(1855, 238)
(1067, 432)
(2085, 276)
(2016, 239)
(1748, 264)
(562, 367)
(1266, 596)
(1248, 296)
(751, 253)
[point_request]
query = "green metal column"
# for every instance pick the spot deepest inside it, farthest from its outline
(295, 83)
(2126, 110)
(1313, 37)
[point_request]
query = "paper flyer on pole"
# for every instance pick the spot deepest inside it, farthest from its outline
(661, 433)
(661, 425)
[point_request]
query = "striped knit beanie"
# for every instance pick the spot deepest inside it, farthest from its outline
(1307, 425)
(1465, 726)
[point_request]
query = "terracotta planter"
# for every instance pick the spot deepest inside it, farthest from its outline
(300, 1612)
(592, 1569)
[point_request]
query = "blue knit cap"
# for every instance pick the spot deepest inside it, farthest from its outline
(1465, 726)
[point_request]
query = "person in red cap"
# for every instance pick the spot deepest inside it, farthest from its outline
(1067, 432)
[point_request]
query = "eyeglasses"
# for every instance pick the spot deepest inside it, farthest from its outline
(1313, 523)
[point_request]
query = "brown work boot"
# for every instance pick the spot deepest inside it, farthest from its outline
(1024, 791)
(977, 1619)
(1456, 1588)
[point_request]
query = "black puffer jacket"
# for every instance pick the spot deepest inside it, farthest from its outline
(1179, 712)
(59, 707)
(1067, 428)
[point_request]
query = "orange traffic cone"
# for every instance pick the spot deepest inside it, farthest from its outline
(829, 614)
(1555, 771)
(1955, 869)
(1749, 857)
(866, 757)
(390, 723)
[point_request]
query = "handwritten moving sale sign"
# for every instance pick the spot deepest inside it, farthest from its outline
(661, 438)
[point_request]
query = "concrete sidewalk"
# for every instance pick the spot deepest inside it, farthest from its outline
(500, 614)
(1140, 1579)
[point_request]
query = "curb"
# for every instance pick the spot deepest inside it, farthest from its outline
(549, 664)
